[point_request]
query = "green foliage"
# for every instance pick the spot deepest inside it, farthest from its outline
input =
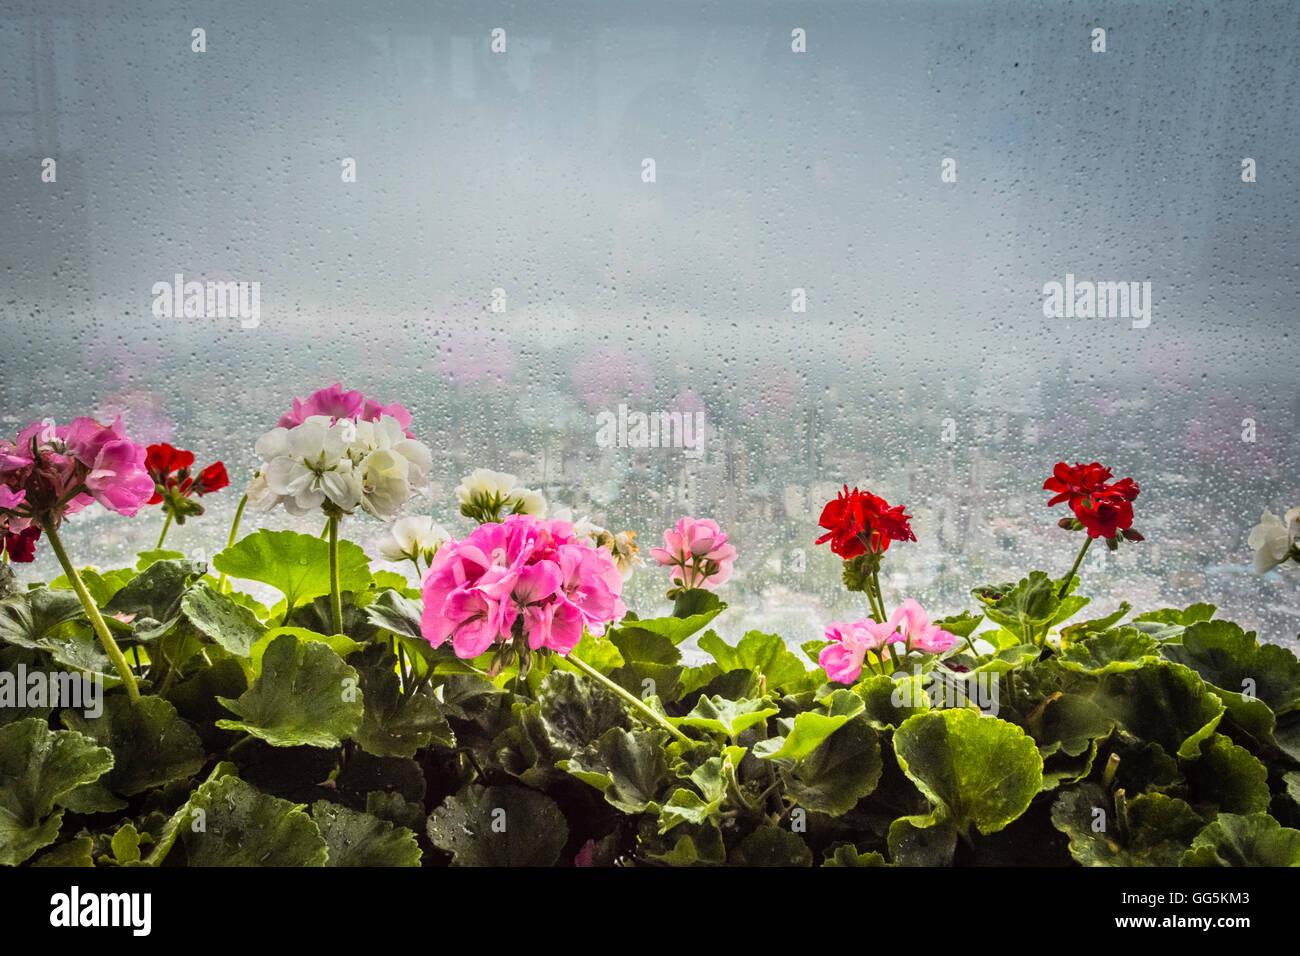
(1165, 738)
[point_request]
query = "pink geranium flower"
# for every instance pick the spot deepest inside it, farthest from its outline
(844, 658)
(915, 627)
(698, 552)
(48, 473)
(519, 578)
(335, 403)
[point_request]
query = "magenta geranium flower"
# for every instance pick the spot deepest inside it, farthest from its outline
(519, 578)
(698, 552)
(48, 473)
(335, 403)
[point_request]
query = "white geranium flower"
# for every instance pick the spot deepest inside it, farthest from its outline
(384, 482)
(260, 495)
(1274, 539)
(413, 538)
(487, 495)
(308, 464)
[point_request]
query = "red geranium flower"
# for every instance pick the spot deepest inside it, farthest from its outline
(1104, 508)
(21, 545)
(858, 520)
(170, 470)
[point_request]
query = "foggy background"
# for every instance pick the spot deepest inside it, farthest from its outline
(775, 170)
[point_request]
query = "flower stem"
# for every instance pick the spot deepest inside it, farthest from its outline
(96, 619)
(336, 599)
(880, 597)
(230, 541)
(638, 705)
(1065, 586)
(166, 524)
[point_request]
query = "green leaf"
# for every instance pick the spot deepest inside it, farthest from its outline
(151, 745)
(846, 854)
(340, 644)
(1096, 626)
(649, 663)
(1165, 703)
(1231, 659)
(234, 824)
(16, 666)
(1254, 839)
(1070, 723)
(396, 724)
(101, 585)
(717, 715)
(809, 732)
(34, 619)
(1118, 649)
(692, 611)
(922, 840)
(887, 701)
(499, 826)
(234, 627)
(838, 772)
(1027, 609)
(781, 670)
(296, 565)
(147, 559)
(1152, 830)
(37, 766)
(153, 597)
(1229, 777)
(396, 613)
(1190, 615)
(973, 770)
(962, 625)
(771, 846)
(359, 839)
(75, 853)
(126, 845)
(306, 695)
(629, 767)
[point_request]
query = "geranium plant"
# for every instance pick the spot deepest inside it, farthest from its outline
(369, 718)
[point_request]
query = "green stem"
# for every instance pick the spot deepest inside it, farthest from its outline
(880, 597)
(416, 562)
(1065, 586)
(336, 599)
(96, 619)
(639, 705)
(230, 541)
(166, 524)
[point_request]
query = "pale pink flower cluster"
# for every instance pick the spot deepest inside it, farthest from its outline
(522, 572)
(49, 472)
(908, 626)
(698, 553)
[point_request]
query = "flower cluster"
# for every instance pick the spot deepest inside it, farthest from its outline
(415, 538)
(339, 464)
(858, 522)
(1101, 506)
(336, 404)
(1275, 539)
(908, 629)
(622, 545)
(698, 553)
(488, 496)
(523, 583)
(174, 487)
(48, 473)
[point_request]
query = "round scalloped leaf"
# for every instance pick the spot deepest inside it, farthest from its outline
(152, 599)
(1117, 649)
(499, 826)
(232, 823)
(839, 772)
(37, 766)
(629, 767)
(296, 565)
(151, 745)
(1230, 777)
(1254, 839)
(1157, 828)
(231, 625)
(973, 770)
(1166, 703)
(306, 695)
(718, 715)
(1228, 657)
(359, 839)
